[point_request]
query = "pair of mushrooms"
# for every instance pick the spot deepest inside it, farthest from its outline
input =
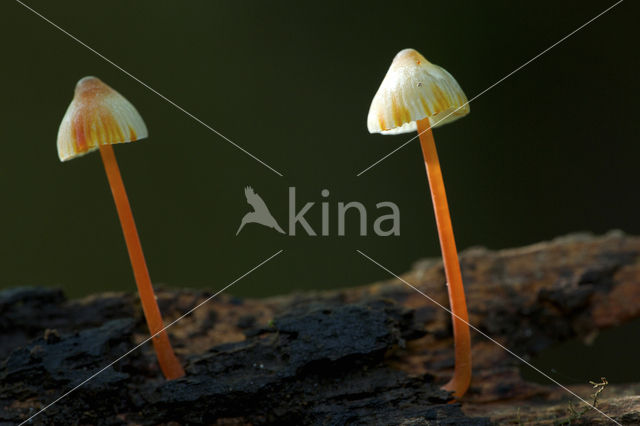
(414, 95)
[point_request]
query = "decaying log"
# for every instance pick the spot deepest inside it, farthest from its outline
(375, 354)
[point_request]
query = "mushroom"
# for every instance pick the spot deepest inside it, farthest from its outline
(418, 95)
(98, 117)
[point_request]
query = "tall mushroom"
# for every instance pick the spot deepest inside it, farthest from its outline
(98, 117)
(418, 95)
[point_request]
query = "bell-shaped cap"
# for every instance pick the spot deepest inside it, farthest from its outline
(412, 90)
(98, 115)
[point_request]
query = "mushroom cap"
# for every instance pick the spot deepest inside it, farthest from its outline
(412, 90)
(97, 115)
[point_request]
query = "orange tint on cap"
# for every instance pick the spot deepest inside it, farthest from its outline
(97, 115)
(412, 90)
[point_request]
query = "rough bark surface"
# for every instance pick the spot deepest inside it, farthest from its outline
(375, 354)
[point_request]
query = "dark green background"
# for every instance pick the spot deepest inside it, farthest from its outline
(551, 150)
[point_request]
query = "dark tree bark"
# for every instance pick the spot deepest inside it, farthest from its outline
(368, 355)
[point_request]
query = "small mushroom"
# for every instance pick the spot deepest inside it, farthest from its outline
(97, 118)
(417, 95)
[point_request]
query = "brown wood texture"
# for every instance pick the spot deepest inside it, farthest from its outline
(374, 354)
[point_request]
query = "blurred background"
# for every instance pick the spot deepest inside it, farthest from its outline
(551, 150)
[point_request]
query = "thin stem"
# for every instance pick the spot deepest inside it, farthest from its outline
(169, 364)
(459, 383)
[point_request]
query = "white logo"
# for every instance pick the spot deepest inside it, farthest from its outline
(263, 216)
(260, 213)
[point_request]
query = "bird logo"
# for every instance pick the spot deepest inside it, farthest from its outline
(260, 213)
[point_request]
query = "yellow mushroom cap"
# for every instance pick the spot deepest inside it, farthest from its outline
(98, 115)
(412, 90)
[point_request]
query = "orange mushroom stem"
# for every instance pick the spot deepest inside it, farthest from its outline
(167, 359)
(459, 383)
